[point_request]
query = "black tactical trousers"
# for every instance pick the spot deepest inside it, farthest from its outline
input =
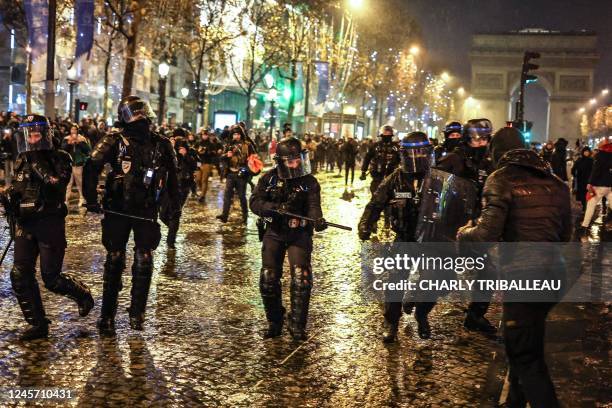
(524, 325)
(45, 237)
(297, 245)
(116, 231)
(349, 166)
(237, 184)
(172, 217)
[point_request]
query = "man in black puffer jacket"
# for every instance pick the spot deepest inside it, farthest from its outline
(524, 201)
(558, 159)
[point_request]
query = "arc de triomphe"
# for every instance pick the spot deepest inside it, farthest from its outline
(566, 73)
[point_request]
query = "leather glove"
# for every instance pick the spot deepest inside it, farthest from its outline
(364, 235)
(362, 177)
(94, 208)
(320, 224)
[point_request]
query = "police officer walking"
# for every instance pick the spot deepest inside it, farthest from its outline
(186, 166)
(143, 166)
(398, 193)
(381, 159)
(468, 160)
(521, 194)
(236, 154)
(289, 188)
(36, 200)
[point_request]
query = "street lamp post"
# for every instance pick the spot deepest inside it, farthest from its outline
(163, 70)
(272, 98)
(184, 94)
(72, 84)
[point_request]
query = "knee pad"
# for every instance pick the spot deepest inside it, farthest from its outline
(143, 260)
(115, 260)
(301, 277)
(22, 277)
(269, 282)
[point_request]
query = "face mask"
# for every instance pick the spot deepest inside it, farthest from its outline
(450, 144)
(479, 153)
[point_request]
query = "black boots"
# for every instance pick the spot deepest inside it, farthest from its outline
(142, 271)
(113, 268)
(475, 322)
(390, 332)
(301, 284)
(271, 294)
(423, 329)
(27, 292)
(68, 286)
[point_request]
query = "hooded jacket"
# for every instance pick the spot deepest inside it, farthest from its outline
(601, 176)
(558, 159)
(523, 201)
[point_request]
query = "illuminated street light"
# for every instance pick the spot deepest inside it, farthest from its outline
(185, 92)
(605, 91)
(593, 101)
(469, 99)
(253, 102)
(355, 4)
(461, 91)
(445, 76)
(414, 50)
(163, 69)
(369, 113)
(581, 110)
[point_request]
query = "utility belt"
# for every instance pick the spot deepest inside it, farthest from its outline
(287, 224)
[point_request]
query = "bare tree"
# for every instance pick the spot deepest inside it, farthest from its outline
(262, 47)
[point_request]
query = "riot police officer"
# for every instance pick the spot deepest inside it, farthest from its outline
(235, 156)
(186, 166)
(469, 160)
(452, 138)
(143, 165)
(288, 188)
(381, 159)
(398, 193)
(36, 200)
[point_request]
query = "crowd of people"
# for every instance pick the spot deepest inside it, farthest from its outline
(151, 171)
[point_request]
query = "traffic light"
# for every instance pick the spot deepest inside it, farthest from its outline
(527, 130)
(83, 106)
(526, 77)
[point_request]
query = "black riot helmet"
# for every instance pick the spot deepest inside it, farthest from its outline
(132, 108)
(415, 153)
(477, 130)
(452, 127)
(34, 134)
(386, 133)
(180, 132)
(291, 159)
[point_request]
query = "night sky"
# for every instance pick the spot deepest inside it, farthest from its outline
(447, 26)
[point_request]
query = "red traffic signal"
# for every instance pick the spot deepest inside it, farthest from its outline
(83, 106)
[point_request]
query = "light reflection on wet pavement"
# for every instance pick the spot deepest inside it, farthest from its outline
(202, 343)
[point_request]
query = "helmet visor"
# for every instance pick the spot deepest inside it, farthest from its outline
(33, 136)
(480, 130)
(131, 111)
(415, 157)
(289, 167)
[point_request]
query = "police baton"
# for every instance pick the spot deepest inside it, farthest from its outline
(301, 217)
(6, 250)
(124, 215)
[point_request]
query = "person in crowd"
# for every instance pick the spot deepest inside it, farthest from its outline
(79, 149)
(581, 171)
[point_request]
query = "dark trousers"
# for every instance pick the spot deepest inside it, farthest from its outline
(524, 327)
(237, 184)
(45, 237)
(349, 166)
(297, 246)
(170, 218)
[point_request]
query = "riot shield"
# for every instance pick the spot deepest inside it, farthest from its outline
(448, 202)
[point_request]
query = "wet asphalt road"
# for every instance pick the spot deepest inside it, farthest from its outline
(202, 344)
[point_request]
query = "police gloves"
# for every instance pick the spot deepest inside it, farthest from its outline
(364, 235)
(94, 208)
(362, 177)
(320, 225)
